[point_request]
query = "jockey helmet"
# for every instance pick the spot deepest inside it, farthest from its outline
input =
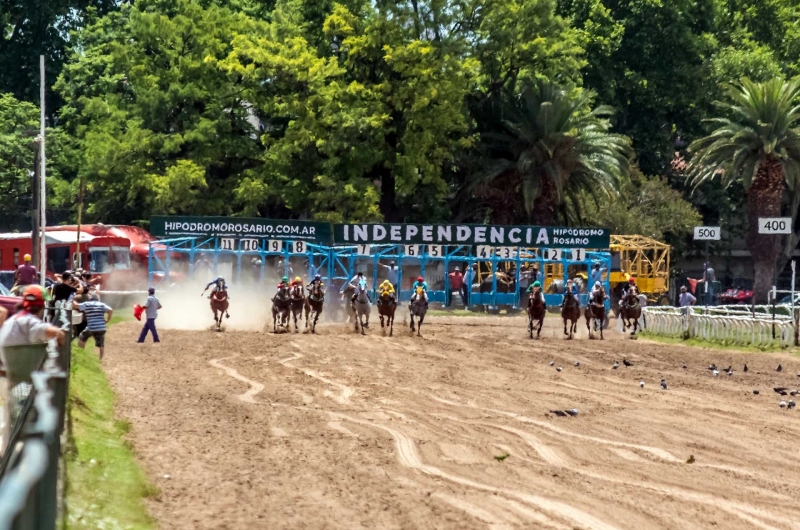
(631, 281)
(298, 279)
(420, 279)
(220, 280)
(285, 279)
(359, 273)
(317, 277)
(598, 284)
(537, 284)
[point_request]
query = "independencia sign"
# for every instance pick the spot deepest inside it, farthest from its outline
(312, 232)
(499, 235)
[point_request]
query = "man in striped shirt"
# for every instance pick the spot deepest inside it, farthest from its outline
(97, 316)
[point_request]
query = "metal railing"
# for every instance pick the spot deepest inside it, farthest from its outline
(32, 472)
(728, 325)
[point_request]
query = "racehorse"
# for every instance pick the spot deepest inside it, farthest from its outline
(281, 305)
(219, 306)
(386, 308)
(360, 308)
(418, 308)
(297, 301)
(571, 310)
(313, 304)
(596, 311)
(537, 309)
(630, 309)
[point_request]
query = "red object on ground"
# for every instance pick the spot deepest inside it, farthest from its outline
(137, 312)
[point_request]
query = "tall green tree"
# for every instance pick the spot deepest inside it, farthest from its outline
(757, 140)
(552, 147)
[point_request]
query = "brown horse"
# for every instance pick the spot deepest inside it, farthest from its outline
(570, 310)
(386, 307)
(219, 306)
(314, 303)
(537, 309)
(630, 309)
(297, 300)
(280, 306)
(596, 311)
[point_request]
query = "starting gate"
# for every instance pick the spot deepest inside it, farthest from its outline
(401, 264)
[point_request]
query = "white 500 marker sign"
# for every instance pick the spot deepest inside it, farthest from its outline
(707, 233)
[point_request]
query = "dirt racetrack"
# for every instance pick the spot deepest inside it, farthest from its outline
(338, 430)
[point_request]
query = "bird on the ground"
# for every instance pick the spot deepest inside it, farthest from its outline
(577, 364)
(626, 362)
(779, 368)
(793, 392)
(572, 412)
(558, 369)
(755, 391)
(712, 367)
(780, 390)
(615, 365)
(729, 369)
(502, 457)
(791, 404)
(663, 384)
(690, 460)
(745, 368)
(782, 404)
(715, 373)
(641, 384)
(559, 413)
(552, 363)
(685, 367)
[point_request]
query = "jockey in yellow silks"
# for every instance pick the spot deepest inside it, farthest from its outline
(386, 288)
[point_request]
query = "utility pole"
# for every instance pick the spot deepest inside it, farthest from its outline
(42, 178)
(35, 203)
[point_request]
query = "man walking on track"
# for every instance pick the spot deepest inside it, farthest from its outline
(97, 315)
(151, 308)
(24, 276)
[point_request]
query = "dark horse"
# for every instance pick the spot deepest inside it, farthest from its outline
(418, 309)
(537, 309)
(313, 305)
(596, 311)
(386, 308)
(570, 310)
(630, 309)
(281, 305)
(297, 300)
(219, 306)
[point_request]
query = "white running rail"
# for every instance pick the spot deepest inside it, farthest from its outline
(730, 327)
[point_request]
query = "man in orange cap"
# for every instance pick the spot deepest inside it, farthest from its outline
(26, 326)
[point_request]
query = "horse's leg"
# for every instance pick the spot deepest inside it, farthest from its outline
(413, 329)
(530, 326)
(391, 323)
(541, 325)
(419, 325)
(294, 316)
(565, 326)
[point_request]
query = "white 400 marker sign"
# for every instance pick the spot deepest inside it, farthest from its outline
(774, 225)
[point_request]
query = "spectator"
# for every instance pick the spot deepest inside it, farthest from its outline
(643, 303)
(709, 277)
(685, 300)
(456, 284)
(469, 278)
(311, 269)
(24, 275)
(524, 281)
(391, 273)
(97, 315)
(62, 292)
(596, 274)
(151, 308)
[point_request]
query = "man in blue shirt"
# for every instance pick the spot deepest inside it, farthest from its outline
(97, 316)
(391, 273)
(424, 285)
(596, 274)
(151, 308)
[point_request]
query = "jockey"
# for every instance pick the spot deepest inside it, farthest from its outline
(317, 279)
(534, 289)
(570, 287)
(598, 288)
(424, 285)
(297, 281)
(631, 285)
(218, 283)
(284, 283)
(386, 288)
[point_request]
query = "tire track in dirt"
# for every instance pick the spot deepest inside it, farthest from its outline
(408, 457)
(255, 386)
(346, 391)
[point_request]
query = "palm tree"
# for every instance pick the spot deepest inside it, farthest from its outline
(758, 142)
(550, 145)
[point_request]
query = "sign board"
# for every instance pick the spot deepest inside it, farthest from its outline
(435, 251)
(362, 250)
(250, 245)
(553, 254)
(241, 227)
(774, 225)
(484, 251)
(579, 254)
(411, 250)
(707, 233)
(465, 234)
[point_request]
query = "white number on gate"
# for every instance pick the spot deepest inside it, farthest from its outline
(411, 250)
(554, 254)
(484, 251)
(578, 254)
(435, 251)
(275, 245)
(362, 250)
(249, 245)
(299, 247)
(505, 252)
(227, 244)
